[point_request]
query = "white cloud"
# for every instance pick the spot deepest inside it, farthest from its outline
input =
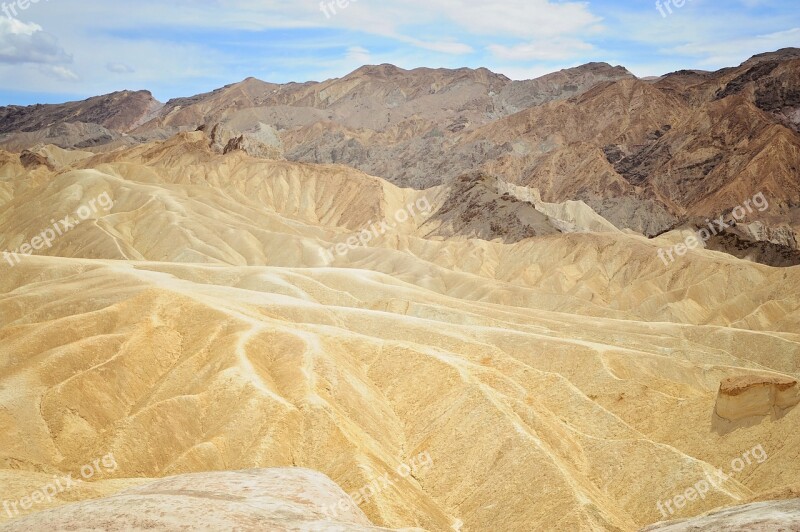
(120, 68)
(60, 73)
(445, 47)
(542, 50)
(524, 19)
(358, 55)
(456, 19)
(734, 51)
(22, 42)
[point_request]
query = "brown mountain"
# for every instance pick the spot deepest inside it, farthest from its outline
(119, 111)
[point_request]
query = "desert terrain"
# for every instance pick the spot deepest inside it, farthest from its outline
(270, 299)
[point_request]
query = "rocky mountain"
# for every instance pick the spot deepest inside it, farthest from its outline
(646, 155)
(380, 98)
(592, 133)
(119, 111)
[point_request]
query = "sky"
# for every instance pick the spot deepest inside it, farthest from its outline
(53, 51)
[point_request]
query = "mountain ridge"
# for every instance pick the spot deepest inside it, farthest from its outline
(647, 155)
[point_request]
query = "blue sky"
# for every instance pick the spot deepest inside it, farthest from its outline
(59, 50)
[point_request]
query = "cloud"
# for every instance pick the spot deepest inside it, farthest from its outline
(733, 51)
(22, 42)
(358, 55)
(60, 73)
(190, 46)
(445, 47)
(524, 19)
(456, 21)
(120, 68)
(542, 50)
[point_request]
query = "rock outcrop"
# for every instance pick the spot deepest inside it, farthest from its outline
(769, 516)
(756, 395)
(250, 500)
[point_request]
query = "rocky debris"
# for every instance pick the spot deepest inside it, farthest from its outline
(263, 142)
(29, 160)
(754, 73)
(758, 248)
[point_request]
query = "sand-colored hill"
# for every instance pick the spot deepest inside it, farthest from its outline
(198, 320)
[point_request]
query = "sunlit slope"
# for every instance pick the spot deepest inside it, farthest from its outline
(329, 195)
(177, 202)
(201, 323)
(180, 368)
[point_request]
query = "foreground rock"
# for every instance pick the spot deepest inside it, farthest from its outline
(255, 499)
(756, 517)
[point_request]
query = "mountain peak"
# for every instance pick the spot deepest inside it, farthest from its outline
(783, 54)
(382, 70)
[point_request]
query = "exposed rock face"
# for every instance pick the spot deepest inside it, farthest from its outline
(118, 111)
(783, 236)
(754, 395)
(769, 516)
(76, 135)
(475, 208)
(561, 85)
(29, 160)
(476, 205)
(251, 500)
(262, 142)
(762, 250)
